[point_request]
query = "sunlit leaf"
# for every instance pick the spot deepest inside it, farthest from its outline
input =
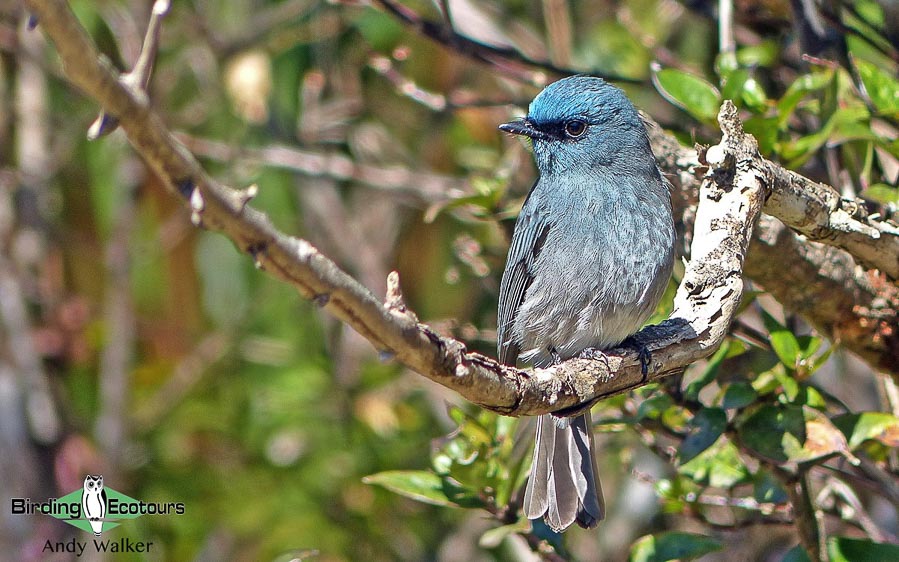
(789, 385)
(672, 545)
(766, 382)
(799, 89)
(672, 492)
(470, 427)
(753, 94)
(675, 418)
(882, 193)
(719, 466)
(882, 88)
(810, 396)
(689, 92)
(782, 341)
(726, 64)
(418, 485)
(877, 426)
(764, 129)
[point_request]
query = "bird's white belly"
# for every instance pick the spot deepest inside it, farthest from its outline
(544, 334)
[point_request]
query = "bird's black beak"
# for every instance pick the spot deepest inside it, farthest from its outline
(524, 128)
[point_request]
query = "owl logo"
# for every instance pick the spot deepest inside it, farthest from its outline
(93, 502)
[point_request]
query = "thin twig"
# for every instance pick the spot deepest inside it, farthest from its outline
(809, 519)
(420, 187)
(726, 42)
(508, 60)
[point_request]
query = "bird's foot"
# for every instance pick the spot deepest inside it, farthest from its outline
(636, 343)
(596, 354)
(554, 353)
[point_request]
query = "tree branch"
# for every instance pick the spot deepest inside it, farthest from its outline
(867, 320)
(730, 198)
(852, 306)
(817, 211)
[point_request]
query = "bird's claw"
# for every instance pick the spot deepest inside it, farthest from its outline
(636, 343)
(595, 354)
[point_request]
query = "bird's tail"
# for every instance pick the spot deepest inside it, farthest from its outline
(564, 484)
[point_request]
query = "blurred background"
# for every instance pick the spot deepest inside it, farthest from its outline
(139, 347)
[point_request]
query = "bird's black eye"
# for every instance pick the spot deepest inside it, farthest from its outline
(575, 129)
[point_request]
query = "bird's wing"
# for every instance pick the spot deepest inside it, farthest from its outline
(531, 231)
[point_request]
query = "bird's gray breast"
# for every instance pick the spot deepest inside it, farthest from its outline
(601, 271)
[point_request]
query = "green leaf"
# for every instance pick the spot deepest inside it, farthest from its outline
(791, 433)
(808, 345)
(799, 89)
(882, 193)
(809, 396)
(765, 383)
(765, 429)
(753, 94)
(672, 545)
(419, 485)
(654, 406)
(870, 12)
(782, 340)
(877, 426)
(691, 393)
(882, 88)
(705, 428)
(516, 477)
(786, 347)
(764, 129)
(732, 83)
(738, 395)
(844, 549)
(720, 466)
(726, 64)
(689, 92)
(676, 418)
(470, 427)
(789, 385)
(672, 493)
(378, 29)
(492, 538)
(762, 54)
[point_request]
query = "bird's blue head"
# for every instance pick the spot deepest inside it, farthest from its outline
(584, 124)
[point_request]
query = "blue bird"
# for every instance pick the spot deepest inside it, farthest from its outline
(591, 255)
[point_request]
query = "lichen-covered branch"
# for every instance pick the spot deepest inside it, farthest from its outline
(821, 214)
(855, 307)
